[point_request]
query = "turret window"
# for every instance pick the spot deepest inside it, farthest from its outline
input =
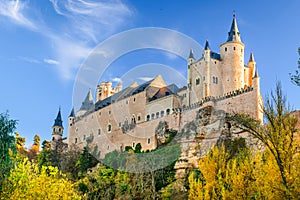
(109, 128)
(197, 81)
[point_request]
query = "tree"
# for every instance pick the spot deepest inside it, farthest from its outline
(278, 135)
(7, 144)
(35, 148)
(27, 181)
(295, 78)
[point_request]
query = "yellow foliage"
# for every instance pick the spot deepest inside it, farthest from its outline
(26, 181)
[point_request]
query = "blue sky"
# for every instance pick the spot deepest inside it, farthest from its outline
(44, 42)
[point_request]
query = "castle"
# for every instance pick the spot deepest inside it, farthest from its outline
(125, 117)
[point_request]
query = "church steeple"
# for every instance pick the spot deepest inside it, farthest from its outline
(234, 34)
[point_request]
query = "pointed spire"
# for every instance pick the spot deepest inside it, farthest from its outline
(256, 73)
(191, 54)
(72, 114)
(234, 34)
(251, 59)
(88, 101)
(206, 45)
(58, 121)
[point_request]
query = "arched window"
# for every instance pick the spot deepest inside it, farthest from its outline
(109, 128)
(168, 111)
(133, 121)
(148, 141)
(162, 113)
(225, 48)
(157, 115)
(152, 116)
(148, 117)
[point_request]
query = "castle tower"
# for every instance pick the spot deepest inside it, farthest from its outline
(191, 60)
(57, 128)
(251, 67)
(207, 75)
(258, 98)
(71, 124)
(232, 56)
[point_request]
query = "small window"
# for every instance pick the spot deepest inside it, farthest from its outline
(84, 137)
(59, 129)
(233, 48)
(225, 48)
(197, 81)
(168, 111)
(133, 120)
(134, 99)
(109, 128)
(107, 147)
(148, 117)
(99, 131)
(162, 113)
(133, 144)
(216, 80)
(109, 112)
(148, 141)
(203, 78)
(167, 93)
(120, 124)
(157, 115)
(139, 118)
(152, 116)
(100, 113)
(75, 140)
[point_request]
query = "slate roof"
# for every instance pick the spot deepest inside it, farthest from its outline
(234, 34)
(58, 121)
(164, 91)
(127, 92)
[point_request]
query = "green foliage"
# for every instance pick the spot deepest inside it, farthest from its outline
(295, 78)
(7, 145)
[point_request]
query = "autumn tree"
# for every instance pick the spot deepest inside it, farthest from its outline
(35, 148)
(28, 181)
(278, 135)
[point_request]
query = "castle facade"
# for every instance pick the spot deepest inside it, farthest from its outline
(125, 117)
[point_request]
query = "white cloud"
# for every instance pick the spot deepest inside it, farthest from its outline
(116, 79)
(86, 22)
(90, 18)
(15, 11)
(51, 61)
(30, 60)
